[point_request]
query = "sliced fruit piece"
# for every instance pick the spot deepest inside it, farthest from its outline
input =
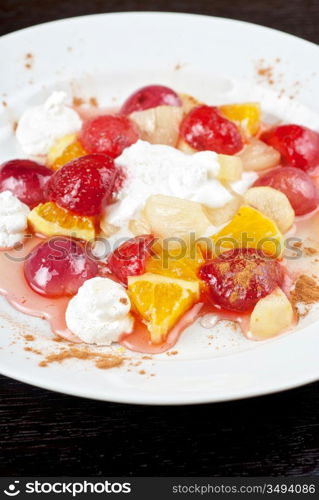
(231, 168)
(51, 220)
(257, 156)
(222, 215)
(245, 115)
(186, 148)
(205, 129)
(130, 258)
(239, 278)
(139, 226)
(159, 125)
(189, 102)
(148, 97)
(171, 217)
(107, 228)
(65, 149)
(250, 229)
(297, 185)
(272, 203)
(298, 146)
(161, 301)
(174, 263)
(272, 315)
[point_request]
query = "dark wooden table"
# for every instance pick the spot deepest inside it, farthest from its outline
(42, 433)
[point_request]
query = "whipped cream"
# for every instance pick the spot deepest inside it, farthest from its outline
(40, 126)
(100, 312)
(13, 219)
(158, 169)
(247, 179)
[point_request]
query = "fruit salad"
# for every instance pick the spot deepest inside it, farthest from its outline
(128, 226)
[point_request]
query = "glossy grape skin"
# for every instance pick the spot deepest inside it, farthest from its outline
(298, 146)
(297, 185)
(58, 267)
(26, 180)
(148, 97)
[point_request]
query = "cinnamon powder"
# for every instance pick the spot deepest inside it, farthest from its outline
(102, 361)
(306, 291)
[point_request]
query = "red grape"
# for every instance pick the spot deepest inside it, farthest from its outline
(298, 146)
(296, 185)
(239, 278)
(58, 267)
(25, 179)
(204, 128)
(150, 97)
(83, 185)
(129, 259)
(108, 134)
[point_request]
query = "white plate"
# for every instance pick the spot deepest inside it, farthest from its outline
(108, 56)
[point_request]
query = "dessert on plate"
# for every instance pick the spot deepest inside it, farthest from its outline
(128, 226)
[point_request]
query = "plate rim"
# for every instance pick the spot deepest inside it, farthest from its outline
(144, 398)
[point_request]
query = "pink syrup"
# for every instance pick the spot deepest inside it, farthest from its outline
(14, 287)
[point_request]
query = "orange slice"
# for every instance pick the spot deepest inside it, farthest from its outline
(249, 228)
(65, 149)
(51, 220)
(245, 115)
(161, 301)
(173, 262)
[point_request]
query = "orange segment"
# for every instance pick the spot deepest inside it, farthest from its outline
(65, 149)
(245, 115)
(161, 301)
(51, 220)
(249, 228)
(173, 262)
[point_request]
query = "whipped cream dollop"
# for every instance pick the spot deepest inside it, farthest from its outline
(100, 312)
(13, 220)
(40, 126)
(159, 169)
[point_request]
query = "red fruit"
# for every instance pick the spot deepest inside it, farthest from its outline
(204, 128)
(108, 134)
(150, 97)
(83, 185)
(296, 185)
(129, 259)
(26, 179)
(239, 278)
(58, 267)
(298, 146)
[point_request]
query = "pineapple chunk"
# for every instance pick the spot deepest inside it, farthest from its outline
(231, 168)
(222, 215)
(272, 203)
(259, 156)
(272, 315)
(139, 226)
(171, 217)
(184, 147)
(159, 125)
(189, 102)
